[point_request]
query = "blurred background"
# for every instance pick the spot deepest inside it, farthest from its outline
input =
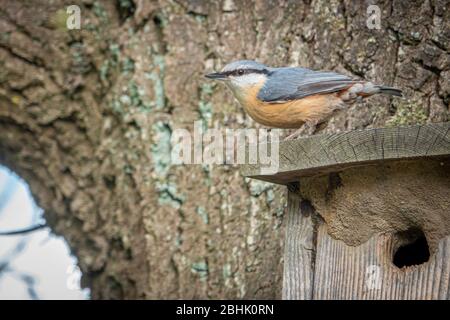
(35, 265)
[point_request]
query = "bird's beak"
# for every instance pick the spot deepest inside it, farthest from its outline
(216, 76)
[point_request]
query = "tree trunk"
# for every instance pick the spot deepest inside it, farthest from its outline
(86, 117)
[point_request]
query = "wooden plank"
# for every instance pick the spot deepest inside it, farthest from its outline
(298, 274)
(367, 271)
(327, 153)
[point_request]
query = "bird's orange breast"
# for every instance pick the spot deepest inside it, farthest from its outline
(290, 114)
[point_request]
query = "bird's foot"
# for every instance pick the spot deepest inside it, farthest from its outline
(307, 129)
(294, 135)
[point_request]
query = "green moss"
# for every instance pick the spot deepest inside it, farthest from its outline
(259, 187)
(201, 211)
(99, 27)
(116, 107)
(161, 158)
(131, 32)
(408, 113)
(168, 194)
(104, 70)
(161, 148)
(90, 27)
(200, 268)
(132, 97)
(113, 56)
(205, 107)
(126, 4)
(124, 99)
(136, 95)
(128, 169)
(80, 62)
(162, 20)
(280, 210)
(226, 271)
(270, 196)
(127, 66)
(114, 50)
(157, 77)
(200, 18)
(77, 52)
(100, 11)
(59, 20)
(207, 89)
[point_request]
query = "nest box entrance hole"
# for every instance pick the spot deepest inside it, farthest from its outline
(414, 249)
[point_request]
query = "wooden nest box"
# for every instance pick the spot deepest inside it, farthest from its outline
(368, 213)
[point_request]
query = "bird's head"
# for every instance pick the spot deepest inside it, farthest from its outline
(242, 75)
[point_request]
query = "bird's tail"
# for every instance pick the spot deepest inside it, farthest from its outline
(391, 91)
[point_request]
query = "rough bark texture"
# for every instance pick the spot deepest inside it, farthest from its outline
(86, 117)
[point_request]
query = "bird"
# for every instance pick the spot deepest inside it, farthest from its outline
(290, 97)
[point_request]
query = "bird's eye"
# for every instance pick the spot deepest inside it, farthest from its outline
(240, 72)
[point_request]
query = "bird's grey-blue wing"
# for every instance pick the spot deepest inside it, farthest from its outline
(286, 84)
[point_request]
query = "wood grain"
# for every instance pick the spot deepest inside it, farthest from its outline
(327, 153)
(317, 266)
(298, 274)
(333, 270)
(367, 271)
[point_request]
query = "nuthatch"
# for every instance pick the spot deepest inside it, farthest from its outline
(290, 97)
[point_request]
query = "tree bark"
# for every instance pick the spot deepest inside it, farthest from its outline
(86, 117)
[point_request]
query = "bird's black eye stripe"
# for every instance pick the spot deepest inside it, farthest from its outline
(240, 72)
